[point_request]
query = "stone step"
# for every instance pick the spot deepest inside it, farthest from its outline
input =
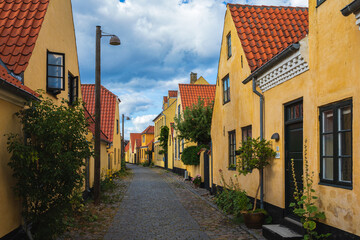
(279, 232)
(293, 225)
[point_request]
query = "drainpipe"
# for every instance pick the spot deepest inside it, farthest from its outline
(261, 138)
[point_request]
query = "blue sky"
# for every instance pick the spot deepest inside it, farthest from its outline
(162, 41)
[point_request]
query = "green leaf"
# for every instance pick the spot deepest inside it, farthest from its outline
(310, 225)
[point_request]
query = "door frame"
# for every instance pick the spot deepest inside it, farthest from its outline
(286, 124)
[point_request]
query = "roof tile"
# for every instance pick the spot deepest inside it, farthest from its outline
(148, 130)
(133, 139)
(190, 93)
(20, 23)
(108, 107)
(269, 27)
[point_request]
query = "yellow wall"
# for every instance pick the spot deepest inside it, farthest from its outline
(169, 113)
(334, 67)
(115, 150)
(56, 36)
(158, 158)
(10, 206)
(145, 140)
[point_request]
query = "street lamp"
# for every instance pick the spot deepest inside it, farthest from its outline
(114, 40)
(122, 137)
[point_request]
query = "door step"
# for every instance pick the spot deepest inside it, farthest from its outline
(279, 232)
(293, 225)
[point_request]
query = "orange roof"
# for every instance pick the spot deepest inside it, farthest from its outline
(165, 99)
(190, 93)
(20, 23)
(108, 107)
(138, 143)
(148, 130)
(265, 31)
(91, 126)
(127, 147)
(15, 83)
(133, 138)
(172, 93)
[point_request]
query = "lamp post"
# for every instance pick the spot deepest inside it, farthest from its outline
(113, 41)
(122, 137)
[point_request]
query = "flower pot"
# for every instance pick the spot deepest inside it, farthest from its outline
(254, 220)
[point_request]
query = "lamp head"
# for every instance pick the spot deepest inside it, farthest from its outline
(115, 41)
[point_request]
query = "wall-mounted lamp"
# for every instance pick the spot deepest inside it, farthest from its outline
(275, 136)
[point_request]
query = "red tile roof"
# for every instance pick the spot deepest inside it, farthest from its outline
(265, 31)
(127, 147)
(20, 23)
(190, 93)
(5, 76)
(172, 93)
(108, 107)
(148, 130)
(165, 99)
(133, 138)
(138, 143)
(91, 126)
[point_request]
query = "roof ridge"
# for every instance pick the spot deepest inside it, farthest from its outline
(266, 6)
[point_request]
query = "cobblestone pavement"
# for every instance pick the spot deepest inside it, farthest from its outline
(158, 206)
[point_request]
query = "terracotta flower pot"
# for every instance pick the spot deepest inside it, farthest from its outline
(254, 220)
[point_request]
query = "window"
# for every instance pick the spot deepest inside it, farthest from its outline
(175, 149)
(246, 133)
(144, 138)
(336, 144)
(179, 111)
(115, 156)
(319, 2)
(232, 148)
(117, 126)
(226, 89)
(55, 72)
(228, 43)
(73, 88)
(179, 149)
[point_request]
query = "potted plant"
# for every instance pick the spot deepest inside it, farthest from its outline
(196, 181)
(255, 154)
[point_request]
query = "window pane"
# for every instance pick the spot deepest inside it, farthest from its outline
(328, 168)
(345, 118)
(328, 145)
(55, 83)
(55, 71)
(345, 169)
(345, 143)
(55, 59)
(328, 121)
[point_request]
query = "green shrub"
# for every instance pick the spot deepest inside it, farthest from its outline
(190, 155)
(233, 202)
(47, 166)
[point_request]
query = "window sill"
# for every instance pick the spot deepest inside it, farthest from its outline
(226, 102)
(335, 185)
(232, 168)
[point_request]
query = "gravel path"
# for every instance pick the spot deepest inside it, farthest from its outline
(158, 206)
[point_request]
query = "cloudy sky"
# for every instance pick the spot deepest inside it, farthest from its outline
(162, 41)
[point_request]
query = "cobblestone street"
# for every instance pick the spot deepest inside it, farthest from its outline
(159, 206)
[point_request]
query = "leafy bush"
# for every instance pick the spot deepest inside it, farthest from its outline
(190, 155)
(233, 201)
(47, 166)
(107, 183)
(196, 180)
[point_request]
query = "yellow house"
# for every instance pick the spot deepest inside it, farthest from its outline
(146, 139)
(127, 152)
(288, 86)
(188, 95)
(29, 47)
(110, 122)
(164, 119)
(134, 137)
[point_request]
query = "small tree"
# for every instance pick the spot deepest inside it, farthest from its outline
(195, 123)
(164, 136)
(255, 154)
(47, 166)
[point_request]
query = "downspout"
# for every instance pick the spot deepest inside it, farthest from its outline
(261, 138)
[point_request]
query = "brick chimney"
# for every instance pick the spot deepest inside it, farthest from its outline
(193, 77)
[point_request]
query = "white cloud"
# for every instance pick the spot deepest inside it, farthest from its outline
(142, 122)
